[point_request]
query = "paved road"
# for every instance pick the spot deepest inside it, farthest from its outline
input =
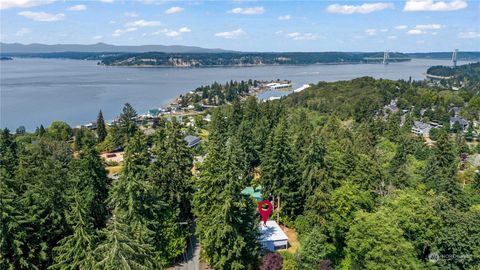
(191, 260)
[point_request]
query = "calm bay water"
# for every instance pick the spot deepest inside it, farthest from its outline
(38, 91)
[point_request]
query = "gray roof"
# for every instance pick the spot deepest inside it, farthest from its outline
(192, 140)
(460, 120)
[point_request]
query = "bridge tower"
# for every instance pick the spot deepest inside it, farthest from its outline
(455, 57)
(386, 57)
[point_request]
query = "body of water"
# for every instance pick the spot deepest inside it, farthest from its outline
(38, 91)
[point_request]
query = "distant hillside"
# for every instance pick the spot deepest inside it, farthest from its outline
(245, 59)
(468, 56)
(15, 48)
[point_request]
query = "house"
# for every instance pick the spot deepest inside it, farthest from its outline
(392, 107)
(272, 236)
(421, 128)
(192, 140)
(463, 123)
(256, 192)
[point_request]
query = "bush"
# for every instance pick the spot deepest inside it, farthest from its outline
(272, 261)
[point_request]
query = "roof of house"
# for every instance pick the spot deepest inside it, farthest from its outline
(421, 125)
(192, 140)
(271, 232)
(255, 193)
(460, 120)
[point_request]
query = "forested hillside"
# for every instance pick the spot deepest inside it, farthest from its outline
(245, 59)
(351, 179)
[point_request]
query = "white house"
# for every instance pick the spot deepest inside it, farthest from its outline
(272, 236)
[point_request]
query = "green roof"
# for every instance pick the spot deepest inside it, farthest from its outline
(255, 193)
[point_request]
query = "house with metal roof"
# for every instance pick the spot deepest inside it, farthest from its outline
(192, 140)
(421, 128)
(272, 236)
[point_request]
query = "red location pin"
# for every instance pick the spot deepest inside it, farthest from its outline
(265, 213)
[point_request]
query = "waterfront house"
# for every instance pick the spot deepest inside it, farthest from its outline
(272, 236)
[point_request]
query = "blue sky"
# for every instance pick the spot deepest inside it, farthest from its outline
(407, 25)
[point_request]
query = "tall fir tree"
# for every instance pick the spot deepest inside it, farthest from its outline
(171, 170)
(278, 170)
(89, 177)
(120, 250)
(127, 124)
(101, 127)
(441, 171)
(75, 251)
(226, 223)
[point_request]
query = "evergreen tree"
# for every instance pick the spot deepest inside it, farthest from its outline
(75, 250)
(171, 170)
(120, 250)
(278, 171)
(398, 166)
(88, 176)
(101, 128)
(12, 231)
(226, 223)
(441, 171)
(127, 124)
(140, 203)
(312, 167)
(42, 171)
(315, 248)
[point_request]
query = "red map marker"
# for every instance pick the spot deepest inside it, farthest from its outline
(265, 213)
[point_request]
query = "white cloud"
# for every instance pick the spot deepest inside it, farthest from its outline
(284, 17)
(5, 4)
(294, 34)
(184, 30)
(22, 32)
(279, 32)
(401, 27)
(42, 16)
(77, 8)
(248, 10)
(174, 10)
(371, 32)
(469, 34)
(428, 26)
(172, 34)
(152, 2)
(232, 34)
(134, 26)
(423, 29)
(107, 1)
(98, 37)
(433, 5)
(384, 30)
(392, 37)
(143, 23)
(131, 14)
(363, 9)
(416, 32)
(302, 36)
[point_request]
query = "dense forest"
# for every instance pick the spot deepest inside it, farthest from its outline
(465, 75)
(349, 177)
(466, 56)
(245, 59)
